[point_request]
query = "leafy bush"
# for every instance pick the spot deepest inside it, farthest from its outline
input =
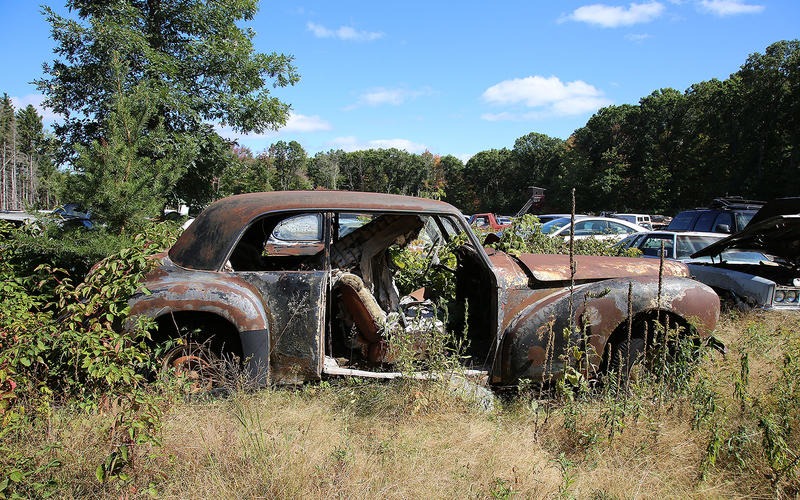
(63, 341)
(75, 250)
(525, 236)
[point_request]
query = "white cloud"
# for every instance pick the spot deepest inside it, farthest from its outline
(296, 123)
(637, 37)
(730, 7)
(343, 33)
(36, 100)
(609, 16)
(386, 96)
(351, 143)
(302, 123)
(549, 97)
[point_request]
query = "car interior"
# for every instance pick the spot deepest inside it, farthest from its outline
(365, 307)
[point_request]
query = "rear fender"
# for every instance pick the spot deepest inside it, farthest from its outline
(535, 341)
(233, 299)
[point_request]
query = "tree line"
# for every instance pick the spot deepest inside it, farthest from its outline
(139, 82)
(28, 176)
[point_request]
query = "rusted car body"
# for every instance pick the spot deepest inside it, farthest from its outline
(286, 280)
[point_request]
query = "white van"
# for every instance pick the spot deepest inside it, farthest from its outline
(640, 219)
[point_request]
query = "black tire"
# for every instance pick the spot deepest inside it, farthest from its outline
(625, 356)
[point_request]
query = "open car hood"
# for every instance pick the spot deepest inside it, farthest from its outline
(778, 235)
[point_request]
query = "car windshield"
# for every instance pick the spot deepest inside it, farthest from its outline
(689, 244)
(554, 225)
(742, 219)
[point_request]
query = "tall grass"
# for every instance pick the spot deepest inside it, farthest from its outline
(729, 431)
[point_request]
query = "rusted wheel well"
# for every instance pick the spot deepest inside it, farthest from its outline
(220, 334)
(643, 326)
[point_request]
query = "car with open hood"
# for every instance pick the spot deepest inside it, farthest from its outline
(299, 285)
(760, 265)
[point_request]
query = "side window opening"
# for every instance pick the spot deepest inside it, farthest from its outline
(287, 242)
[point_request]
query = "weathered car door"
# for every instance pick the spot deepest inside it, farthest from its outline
(292, 277)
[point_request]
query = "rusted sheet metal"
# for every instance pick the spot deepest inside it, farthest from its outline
(223, 220)
(171, 289)
(535, 339)
(296, 249)
(591, 267)
(509, 273)
(296, 301)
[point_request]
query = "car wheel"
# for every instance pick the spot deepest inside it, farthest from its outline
(194, 363)
(625, 357)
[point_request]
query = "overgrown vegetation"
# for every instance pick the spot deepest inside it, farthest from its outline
(525, 236)
(66, 343)
(79, 419)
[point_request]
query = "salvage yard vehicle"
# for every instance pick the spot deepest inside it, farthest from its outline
(489, 222)
(601, 228)
(724, 215)
(758, 267)
(298, 284)
(676, 245)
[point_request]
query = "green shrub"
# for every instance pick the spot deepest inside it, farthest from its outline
(63, 341)
(75, 250)
(525, 236)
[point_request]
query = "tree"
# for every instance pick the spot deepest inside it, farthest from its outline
(290, 164)
(8, 151)
(7, 120)
(43, 180)
(246, 174)
(491, 175)
(770, 103)
(539, 159)
(127, 174)
(193, 58)
(324, 169)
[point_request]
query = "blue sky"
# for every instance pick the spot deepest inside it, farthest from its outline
(459, 78)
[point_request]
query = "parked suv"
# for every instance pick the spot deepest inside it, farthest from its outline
(724, 215)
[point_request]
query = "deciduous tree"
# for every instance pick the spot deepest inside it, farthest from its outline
(194, 58)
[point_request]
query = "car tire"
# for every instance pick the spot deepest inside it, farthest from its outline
(625, 356)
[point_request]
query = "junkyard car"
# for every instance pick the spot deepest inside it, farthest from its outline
(602, 228)
(290, 281)
(676, 245)
(724, 215)
(758, 266)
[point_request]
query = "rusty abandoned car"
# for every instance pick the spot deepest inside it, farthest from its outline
(289, 281)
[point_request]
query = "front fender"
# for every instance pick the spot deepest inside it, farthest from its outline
(535, 340)
(754, 290)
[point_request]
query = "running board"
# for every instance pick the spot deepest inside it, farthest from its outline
(331, 367)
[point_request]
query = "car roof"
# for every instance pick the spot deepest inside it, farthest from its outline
(205, 244)
(686, 233)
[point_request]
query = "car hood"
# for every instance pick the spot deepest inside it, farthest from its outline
(591, 267)
(778, 235)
